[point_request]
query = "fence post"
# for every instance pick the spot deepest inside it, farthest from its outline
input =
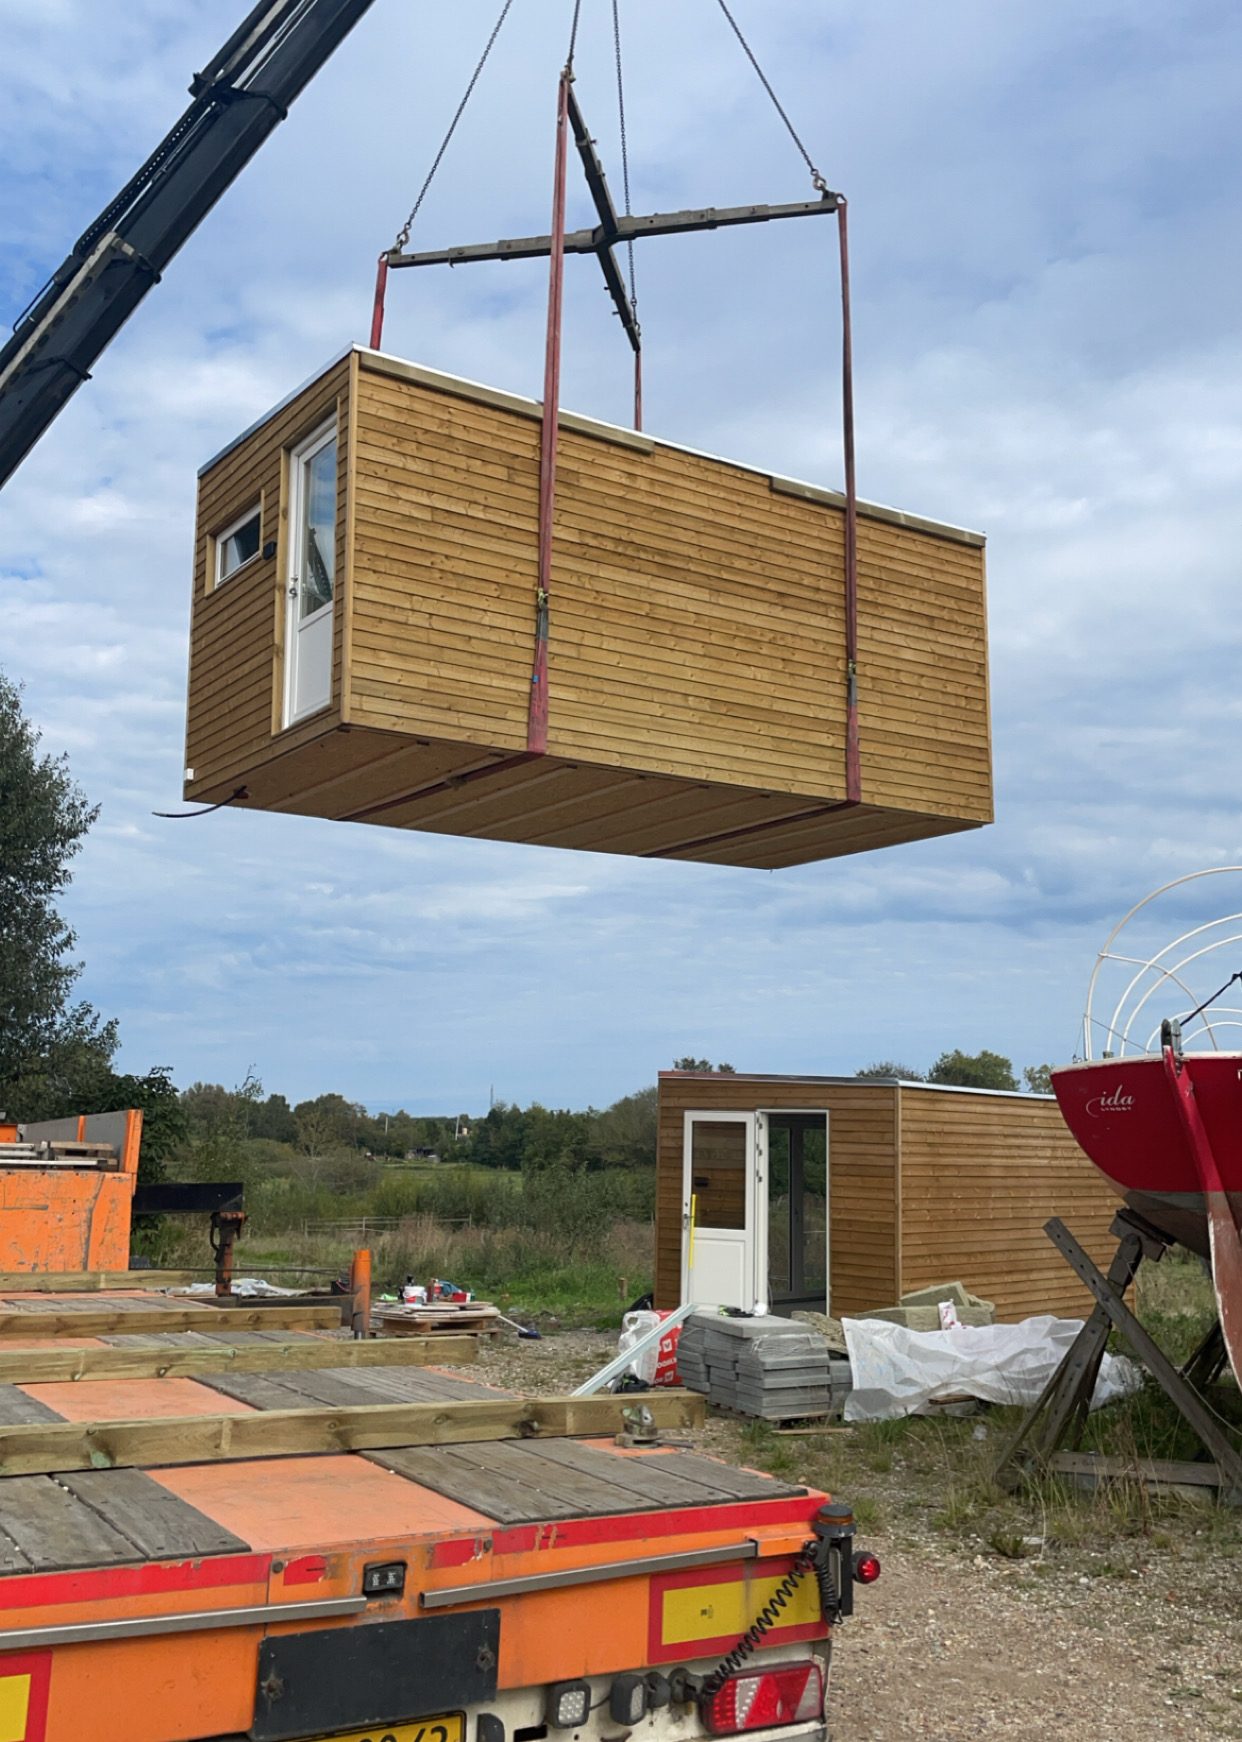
(360, 1288)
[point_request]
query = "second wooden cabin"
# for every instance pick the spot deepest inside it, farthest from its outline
(840, 1194)
(364, 615)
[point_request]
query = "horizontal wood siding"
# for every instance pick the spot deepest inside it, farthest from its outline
(237, 629)
(697, 614)
(862, 1203)
(980, 1175)
(446, 523)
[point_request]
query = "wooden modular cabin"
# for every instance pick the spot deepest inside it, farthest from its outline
(839, 1195)
(363, 635)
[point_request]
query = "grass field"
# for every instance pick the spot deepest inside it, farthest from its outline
(526, 1272)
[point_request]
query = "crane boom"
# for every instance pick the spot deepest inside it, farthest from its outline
(237, 100)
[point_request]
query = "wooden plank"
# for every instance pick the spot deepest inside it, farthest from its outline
(1099, 1468)
(343, 1389)
(49, 1527)
(159, 1524)
(652, 1480)
(92, 1281)
(16, 1409)
(46, 1448)
(448, 1471)
(91, 1321)
(149, 1358)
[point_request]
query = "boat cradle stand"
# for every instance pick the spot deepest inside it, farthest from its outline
(1050, 1435)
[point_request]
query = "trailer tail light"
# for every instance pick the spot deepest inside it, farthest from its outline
(761, 1699)
(866, 1568)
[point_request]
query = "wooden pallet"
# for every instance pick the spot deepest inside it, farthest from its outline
(478, 1317)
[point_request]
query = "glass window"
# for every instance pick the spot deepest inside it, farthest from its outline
(318, 528)
(237, 544)
(718, 1151)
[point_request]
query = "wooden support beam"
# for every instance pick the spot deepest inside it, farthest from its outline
(99, 1281)
(45, 1448)
(47, 1366)
(1092, 1470)
(142, 1321)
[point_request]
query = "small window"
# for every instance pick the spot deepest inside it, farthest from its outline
(238, 544)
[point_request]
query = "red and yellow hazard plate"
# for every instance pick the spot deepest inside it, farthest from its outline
(707, 1609)
(24, 1678)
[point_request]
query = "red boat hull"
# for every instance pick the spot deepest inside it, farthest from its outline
(1166, 1132)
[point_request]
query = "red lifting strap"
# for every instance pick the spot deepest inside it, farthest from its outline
(377, 313)
(853, 752)
(537, 719)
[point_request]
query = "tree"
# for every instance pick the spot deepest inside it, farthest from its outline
(624, 1135)
(47, 1043)
(273, 1119)
(327, 1123)
(982, 1070)
(1038, 1079)
(889, 1068)
(691, 1064)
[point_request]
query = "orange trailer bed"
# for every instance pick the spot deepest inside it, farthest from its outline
(423, 1593)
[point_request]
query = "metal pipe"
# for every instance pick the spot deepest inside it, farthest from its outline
(360, 1289)
(630, 1569)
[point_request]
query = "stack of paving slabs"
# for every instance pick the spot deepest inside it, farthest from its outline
(766, 1367)
(920, 1309)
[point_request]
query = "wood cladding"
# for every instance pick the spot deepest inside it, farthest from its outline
(980, 1175)
(925, 1185)
(697, 667)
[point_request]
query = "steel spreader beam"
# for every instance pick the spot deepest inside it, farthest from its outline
(626, 230)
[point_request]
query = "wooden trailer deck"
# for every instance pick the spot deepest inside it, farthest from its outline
(204, 1536)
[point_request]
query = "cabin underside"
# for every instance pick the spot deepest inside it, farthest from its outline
(359, 775)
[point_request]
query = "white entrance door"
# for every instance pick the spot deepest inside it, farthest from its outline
(720, 1186)
(312, 575)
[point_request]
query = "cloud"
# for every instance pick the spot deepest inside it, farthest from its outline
(1046, 254)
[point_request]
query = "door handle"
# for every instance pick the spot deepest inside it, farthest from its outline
(293, 588)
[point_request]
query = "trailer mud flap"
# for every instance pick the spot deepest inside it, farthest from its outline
(382, 1672)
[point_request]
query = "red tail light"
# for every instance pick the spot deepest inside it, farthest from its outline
(866, 1568)
(760, 1699)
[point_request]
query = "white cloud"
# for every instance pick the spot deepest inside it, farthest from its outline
(1043, 220)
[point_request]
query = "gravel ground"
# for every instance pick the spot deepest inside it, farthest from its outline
(952, 1643)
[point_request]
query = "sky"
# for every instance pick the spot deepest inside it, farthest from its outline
(1046, 250)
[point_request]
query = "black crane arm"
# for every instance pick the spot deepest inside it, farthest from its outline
(238, 99)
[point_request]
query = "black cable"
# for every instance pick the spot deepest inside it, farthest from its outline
(573, 35)
(207, 809)
(403, 234)
(762, 1625)
(816, 178)
(1215, 995)
(625, 150)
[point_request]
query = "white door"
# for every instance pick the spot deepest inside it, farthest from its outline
(311, 579)
(720, 1187)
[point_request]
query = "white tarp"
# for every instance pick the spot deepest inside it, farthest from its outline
(244, 1287)
(896, 1371)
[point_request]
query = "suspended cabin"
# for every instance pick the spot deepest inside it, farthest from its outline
(363, 634)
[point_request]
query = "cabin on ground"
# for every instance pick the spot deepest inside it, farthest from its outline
(363, 634)
(840, 1195)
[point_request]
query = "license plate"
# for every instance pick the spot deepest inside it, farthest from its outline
(446, 1727)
